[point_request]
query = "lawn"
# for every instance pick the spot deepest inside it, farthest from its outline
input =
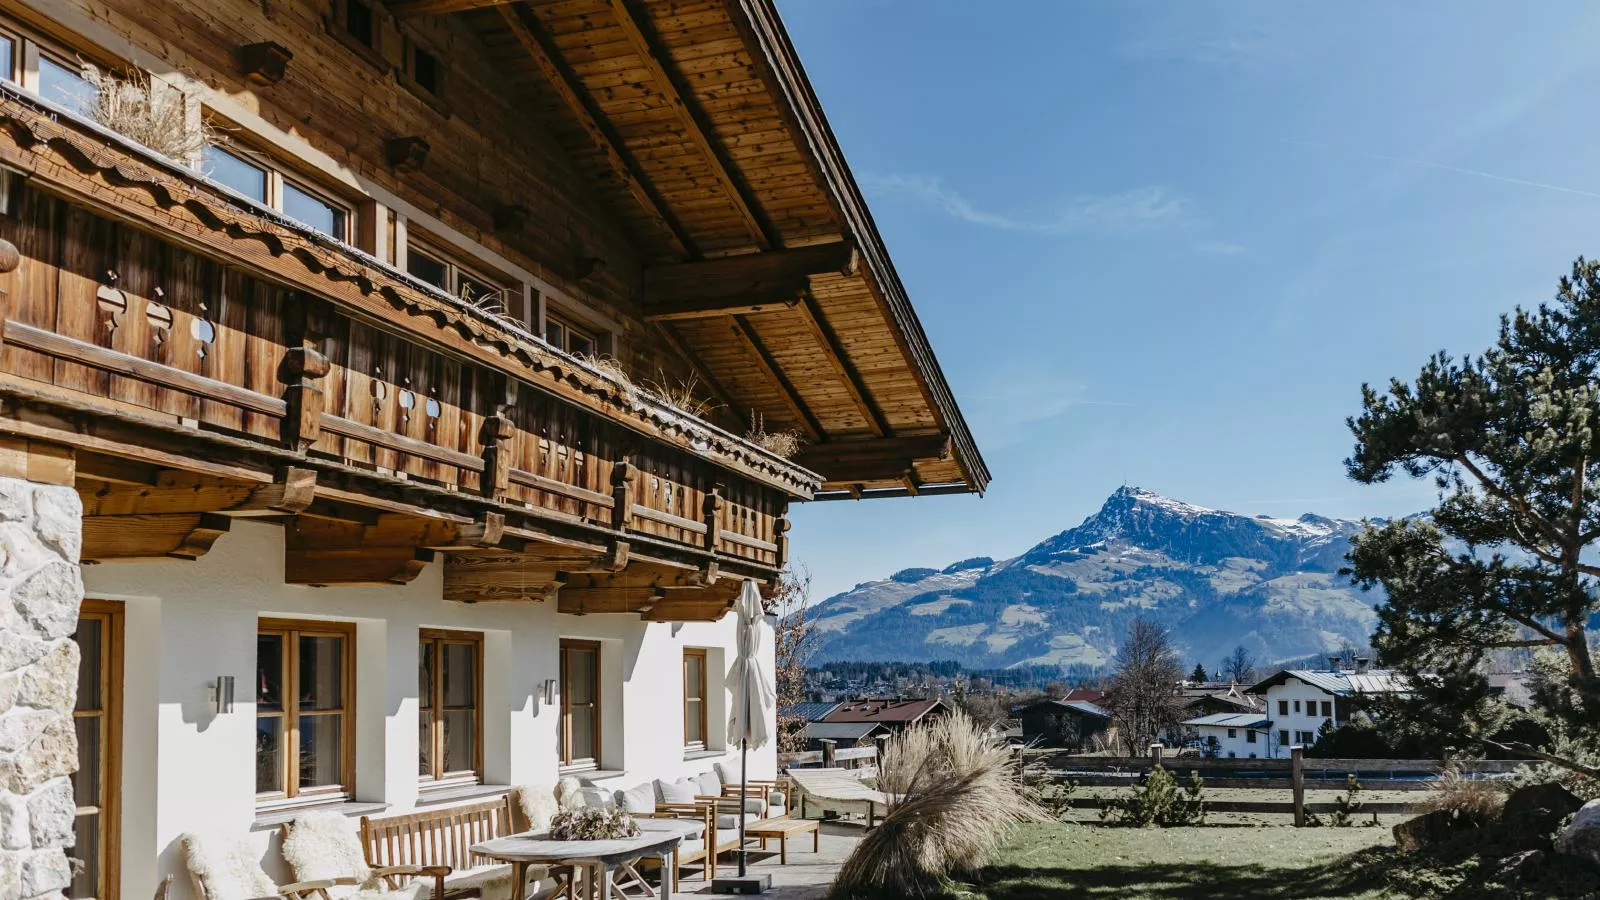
(1243, 862)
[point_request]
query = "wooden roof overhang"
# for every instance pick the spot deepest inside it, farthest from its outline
(101, 386)
(695, 121)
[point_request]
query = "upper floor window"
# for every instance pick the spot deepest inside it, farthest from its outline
(356, 17)
(8, 58)
(694, 699)
(304, 692)
(64, 85)
(258, 179)
(563, 335)
(449, 682)
(423, 68)
(426, 264)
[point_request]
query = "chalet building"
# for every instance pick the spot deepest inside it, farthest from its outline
(894, 714)
(844, 735)
(400, 426)
(1234, 735)
(1074, 725)
(1300, 702)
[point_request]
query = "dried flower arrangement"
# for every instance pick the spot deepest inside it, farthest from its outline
(682, 393)
(157, 116)
(784, 443)
(593, 824)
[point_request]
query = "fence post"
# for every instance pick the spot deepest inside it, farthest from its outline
(1297, 775)
(1155, 754)
(882, 741)
(827, 752)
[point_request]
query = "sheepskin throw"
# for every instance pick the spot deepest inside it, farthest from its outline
(567, 790)
(538, 802)
(324, 845)
(226, 869)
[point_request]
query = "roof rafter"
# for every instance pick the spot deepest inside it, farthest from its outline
(769, 367)
(402, 9)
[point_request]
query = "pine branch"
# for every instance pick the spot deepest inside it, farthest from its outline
(1517, 503)
(1511, 645)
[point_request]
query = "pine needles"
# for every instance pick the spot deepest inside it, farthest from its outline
(959, 790)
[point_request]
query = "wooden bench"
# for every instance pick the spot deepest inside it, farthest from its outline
(438, 843)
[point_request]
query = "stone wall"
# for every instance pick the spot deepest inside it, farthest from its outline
(40, 593)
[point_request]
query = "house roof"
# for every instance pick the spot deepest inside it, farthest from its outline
(1092, 695)
(1233, 720)
(885, 710)
(1081, 706)
(809, 712)
(1339, 684)
(840, 731)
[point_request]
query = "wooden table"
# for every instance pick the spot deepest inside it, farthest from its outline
(600, 858)
(781, 828)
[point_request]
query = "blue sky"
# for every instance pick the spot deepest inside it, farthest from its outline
(1164, 243)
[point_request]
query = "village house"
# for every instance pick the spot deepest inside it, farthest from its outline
(1073, 725)
(1234, 735)
(1299, 703)
(894, 714)
(417, 409)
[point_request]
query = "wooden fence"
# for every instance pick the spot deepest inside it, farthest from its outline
(830, 757)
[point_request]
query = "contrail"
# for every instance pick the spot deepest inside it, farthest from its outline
(1456, 169)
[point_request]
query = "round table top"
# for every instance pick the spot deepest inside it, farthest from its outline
(537, 847)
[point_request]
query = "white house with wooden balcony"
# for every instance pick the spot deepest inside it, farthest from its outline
(403, 433)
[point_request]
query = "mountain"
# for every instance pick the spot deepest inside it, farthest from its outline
(1216, 579)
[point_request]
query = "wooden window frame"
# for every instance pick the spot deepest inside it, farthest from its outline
(112, 614)
(434, 712)
(455, 271)
(704, 700)
(278, 175)
(567, 328)
(292, 795)
(568, 763)
(336, 24)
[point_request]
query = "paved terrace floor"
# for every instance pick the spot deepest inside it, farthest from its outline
(807, 876)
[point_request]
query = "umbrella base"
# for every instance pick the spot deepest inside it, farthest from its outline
(741, 884)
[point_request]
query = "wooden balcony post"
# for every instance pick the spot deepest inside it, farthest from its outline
(622, 495)
(496, 435)
(780, 535)
(301, 372)
(712, 507)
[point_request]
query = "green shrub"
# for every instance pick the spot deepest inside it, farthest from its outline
(1160, 801)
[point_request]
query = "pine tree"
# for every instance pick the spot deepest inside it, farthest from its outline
(1199, 673)
(1506, 559)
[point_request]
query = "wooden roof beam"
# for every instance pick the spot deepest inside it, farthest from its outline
(653, 57)
(530, 33)
(752, 342)
(878, 459)
(404, 9)
(748, 272)
(839, 359)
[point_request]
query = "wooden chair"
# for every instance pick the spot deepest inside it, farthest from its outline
(394, 878)
(437, 844)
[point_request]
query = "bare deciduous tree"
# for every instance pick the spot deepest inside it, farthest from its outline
(1240, 666)
(795, 642)
(1143, 696)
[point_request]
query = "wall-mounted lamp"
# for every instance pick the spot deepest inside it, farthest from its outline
(549, 691)
(224, 693)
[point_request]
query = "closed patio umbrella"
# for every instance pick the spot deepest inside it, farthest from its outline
(754, 699)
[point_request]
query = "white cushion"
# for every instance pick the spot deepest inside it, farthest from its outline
(680, 790)
(639, 799)
(324, 845)
(709, 784)
(776, 798)
(567, 792)
(226, 868)
(591, 797)
(728, 772)
(539, 805)
(730, 821)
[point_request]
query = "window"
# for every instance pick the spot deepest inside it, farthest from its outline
(357, 20)
(580, 704)
(304, 718)
(1297, 706)
(64, 85)
(426, 264)
(1231, 755)
(571, 338)
(423, 68)
(449, 722)
(1283, 738)
(8, 58)
(255, 177)
(1305, 737)
(694, 699)
(1233, 732)
(1327, 709)
(1249, 736)
(1283, 707)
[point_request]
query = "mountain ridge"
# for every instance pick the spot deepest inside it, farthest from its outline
(1215, 578)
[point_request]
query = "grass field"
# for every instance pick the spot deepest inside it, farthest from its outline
(1244, 862)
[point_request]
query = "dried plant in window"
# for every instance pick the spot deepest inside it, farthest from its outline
(785, 443)
(132, 104)
(608, 365)
(682, 393)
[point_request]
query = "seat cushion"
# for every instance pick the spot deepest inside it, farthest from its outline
(591, 797)
(777, 798)
(416, 890)
(709, 784)
(678, 790)
(688, 847)
(730, 821)
(638, 799)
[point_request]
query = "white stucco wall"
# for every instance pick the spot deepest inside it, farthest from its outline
(1305, 718)
(186, 768)
(1239, 745)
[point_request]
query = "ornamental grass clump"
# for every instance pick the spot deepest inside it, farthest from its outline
(1477, 800)
(135, 106)
(956, 793)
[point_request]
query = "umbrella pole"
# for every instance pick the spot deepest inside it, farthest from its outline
(744, 779)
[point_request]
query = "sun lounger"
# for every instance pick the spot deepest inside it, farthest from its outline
(838, 790)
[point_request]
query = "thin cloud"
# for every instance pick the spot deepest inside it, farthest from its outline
(1137, 210)
(1475, 173)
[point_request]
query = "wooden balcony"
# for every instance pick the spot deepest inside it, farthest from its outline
(203, 359)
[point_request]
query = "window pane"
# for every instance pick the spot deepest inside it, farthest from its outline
(579, 344)
(555, 335)
(425, 744)
(471, 290)
(269, 755)
(86, 781)
(320, 744)
(233, 172)
(269, 672)
(427, 268)
(425, 70)
(460, 674)
(309, 209)
(693, 729)
(8, 58)
(581, 725)
(458, 740)
(88, 638)
(580, 676)
(425, 676)
(358, 21)
(321, 672)
(65, 86)
(694, 677)
(86, 883)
